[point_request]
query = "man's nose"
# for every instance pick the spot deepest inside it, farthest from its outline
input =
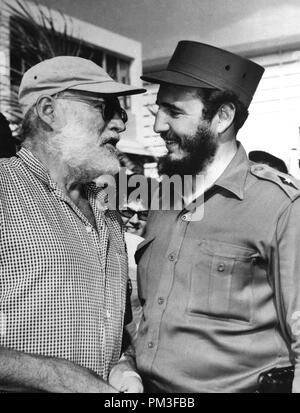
(160, 124)
(134, 219)
(117, 124)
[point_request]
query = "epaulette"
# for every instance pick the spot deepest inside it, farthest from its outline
(287, 183)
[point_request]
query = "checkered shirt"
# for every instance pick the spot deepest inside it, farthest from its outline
(62, 282)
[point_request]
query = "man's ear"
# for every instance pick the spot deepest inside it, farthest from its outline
(225, 117)
(45, 109)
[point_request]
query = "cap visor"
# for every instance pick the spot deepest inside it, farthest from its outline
(109, 88)
(175, 78)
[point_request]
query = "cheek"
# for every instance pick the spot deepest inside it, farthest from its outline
(90, 123)
(95, 126)
(183, 128)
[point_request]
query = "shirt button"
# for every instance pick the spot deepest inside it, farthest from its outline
(161, 300)
(89, 229)
(184, 217)
(108, 315)
(172, 256)
(221, 267)
(150, 344)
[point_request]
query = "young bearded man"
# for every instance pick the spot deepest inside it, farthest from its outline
(220, 291)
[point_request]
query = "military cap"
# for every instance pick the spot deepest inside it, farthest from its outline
(200, 65)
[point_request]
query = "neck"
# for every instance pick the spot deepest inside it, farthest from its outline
(59, 172)
(222, 159)
(213, 171)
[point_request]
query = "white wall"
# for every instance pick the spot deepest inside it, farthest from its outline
(274, 119)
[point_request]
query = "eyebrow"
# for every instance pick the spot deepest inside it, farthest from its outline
(168, 105)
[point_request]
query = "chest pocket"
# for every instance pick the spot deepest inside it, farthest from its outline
(221, 281)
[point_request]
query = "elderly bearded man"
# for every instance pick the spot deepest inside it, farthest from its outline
(63, 261)
(220, 292)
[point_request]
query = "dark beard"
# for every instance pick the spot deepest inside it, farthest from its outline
(201, 149)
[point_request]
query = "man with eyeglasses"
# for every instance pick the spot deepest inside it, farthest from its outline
(63, 273)
(134, 218)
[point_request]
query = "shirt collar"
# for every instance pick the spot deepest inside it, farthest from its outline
(36, 167)
(234, 176)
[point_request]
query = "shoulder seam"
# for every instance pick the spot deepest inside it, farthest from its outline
(292, 186)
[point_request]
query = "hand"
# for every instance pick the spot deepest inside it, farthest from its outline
(125, 379)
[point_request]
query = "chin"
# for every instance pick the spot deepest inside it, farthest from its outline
(95, 169)
(109, 166)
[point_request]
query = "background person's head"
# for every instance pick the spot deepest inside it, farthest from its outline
(134, 217)
(134, 207)
(203, 101)
(71, 109)
(268, 159)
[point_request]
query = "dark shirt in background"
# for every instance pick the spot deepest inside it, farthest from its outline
(7, 143)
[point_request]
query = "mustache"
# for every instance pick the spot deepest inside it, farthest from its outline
(170, 136)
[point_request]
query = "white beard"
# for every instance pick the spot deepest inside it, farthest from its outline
(84, 162)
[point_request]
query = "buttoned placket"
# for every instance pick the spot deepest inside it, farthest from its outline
(100, 236)
(103, 215)
(160, 301)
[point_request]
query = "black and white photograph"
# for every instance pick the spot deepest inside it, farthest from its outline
(149, 199)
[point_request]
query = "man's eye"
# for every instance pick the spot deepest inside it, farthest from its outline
(98, 106)
(174, 113)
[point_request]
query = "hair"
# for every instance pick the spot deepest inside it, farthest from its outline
(29, 126)
(32, 126)
(213, 99)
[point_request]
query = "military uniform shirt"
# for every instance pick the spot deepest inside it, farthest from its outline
(207, 287)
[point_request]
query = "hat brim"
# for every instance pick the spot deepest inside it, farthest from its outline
(176, 78)
(109, 88)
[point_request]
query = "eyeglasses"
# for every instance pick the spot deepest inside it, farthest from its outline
(129, 213)
(107, 107)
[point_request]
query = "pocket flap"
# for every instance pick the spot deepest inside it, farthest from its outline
(224, 249)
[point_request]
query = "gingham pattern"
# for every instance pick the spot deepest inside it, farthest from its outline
(62, 283)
